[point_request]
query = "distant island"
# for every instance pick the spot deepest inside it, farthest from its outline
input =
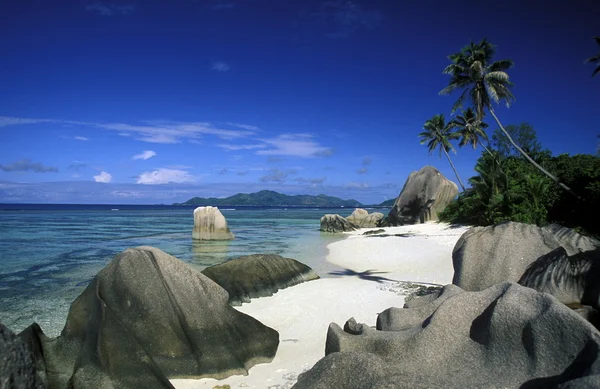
(269, 198)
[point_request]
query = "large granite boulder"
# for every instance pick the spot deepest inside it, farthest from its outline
(147, 317)
(210, 224)
(258, 275)
(17, 367)
(485, 256)
(336, 223)
(425, 193)
(506, 336)
(572, 241)
(363, 219)
(571, 279)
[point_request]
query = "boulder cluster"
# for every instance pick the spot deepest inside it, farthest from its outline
(521, 313)
(360, 218)
(148, 317)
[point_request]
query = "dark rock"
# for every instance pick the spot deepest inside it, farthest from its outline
(506, 336)
(336, 223)
(258, 275)
(571, 279)
(17, 367)
(374, 232)
(485, 256)
(363, 219)
(147, 317)
(425, 193)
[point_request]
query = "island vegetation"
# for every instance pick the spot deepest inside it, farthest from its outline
(517, 178)
(268, 198)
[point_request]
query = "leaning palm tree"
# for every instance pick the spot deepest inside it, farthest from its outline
(484, 82)
(595, 58)
(470, 130)
(438, 134)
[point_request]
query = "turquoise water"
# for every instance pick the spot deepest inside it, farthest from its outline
(48, 254)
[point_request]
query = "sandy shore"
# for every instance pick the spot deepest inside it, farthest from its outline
(377, 270)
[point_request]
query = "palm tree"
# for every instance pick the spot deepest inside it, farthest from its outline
(595, 58)
(437, 134)
(484, 82)
(470, 130)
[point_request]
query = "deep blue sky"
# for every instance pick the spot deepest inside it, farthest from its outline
(163, 100)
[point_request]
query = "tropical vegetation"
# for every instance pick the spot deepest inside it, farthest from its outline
(438, 135)
(513, 180)
(595, 58)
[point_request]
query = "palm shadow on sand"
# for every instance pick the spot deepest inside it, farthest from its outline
(368, 275)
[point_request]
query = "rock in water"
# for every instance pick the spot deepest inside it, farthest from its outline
(147, 317)
(336, 223)
(425, 193)
(361, 218)
(485, 256)
(506, 336)
(210, 224)
(17, 368)
(258, 275)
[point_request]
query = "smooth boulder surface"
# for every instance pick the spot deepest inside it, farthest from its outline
(571, 279)
(425, 193)
(147, 317)
(17, 367)
(210, 224)
(258, 275)
(363, 219)
(336, 223)
(507, 336)
(485, 256)
(571, 240)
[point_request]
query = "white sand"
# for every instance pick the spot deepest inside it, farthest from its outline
(302, 314)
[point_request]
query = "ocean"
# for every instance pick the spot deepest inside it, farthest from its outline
(49, 253)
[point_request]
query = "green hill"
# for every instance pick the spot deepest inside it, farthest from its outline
(387, 203)
(268, 198)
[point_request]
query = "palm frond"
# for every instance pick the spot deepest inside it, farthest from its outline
(501, 65)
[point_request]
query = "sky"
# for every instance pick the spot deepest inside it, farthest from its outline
(158, 101)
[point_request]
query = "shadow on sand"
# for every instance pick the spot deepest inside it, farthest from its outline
(367, 275)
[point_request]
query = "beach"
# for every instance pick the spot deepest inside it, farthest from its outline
(376, 272)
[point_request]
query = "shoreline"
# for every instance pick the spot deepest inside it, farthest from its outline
(377, 272)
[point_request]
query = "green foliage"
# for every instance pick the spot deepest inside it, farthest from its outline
(511, 189)
(524, 136)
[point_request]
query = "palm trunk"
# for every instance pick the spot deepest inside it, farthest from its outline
(453, 168)
(527, 157)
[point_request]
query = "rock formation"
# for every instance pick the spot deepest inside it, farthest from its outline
(336, 223)
(571, 279)
(147, 317)
(210, 224)
(484, 256)
(17, 368)
(425, 193)
(506, 336)
(363, 219)
(258, 275)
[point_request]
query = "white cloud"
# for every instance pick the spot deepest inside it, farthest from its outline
(103, 177)
(232, 147)
(297, 145)
(147, 154)
(220, 66)
(357, 185)
(82, 138)
(248, 127)
(11, 121)
(110, 9)
(152, 131)
(165, 176)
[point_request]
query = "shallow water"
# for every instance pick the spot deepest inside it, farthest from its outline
(48, 254)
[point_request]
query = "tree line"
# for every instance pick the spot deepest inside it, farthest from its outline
(516, 178)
